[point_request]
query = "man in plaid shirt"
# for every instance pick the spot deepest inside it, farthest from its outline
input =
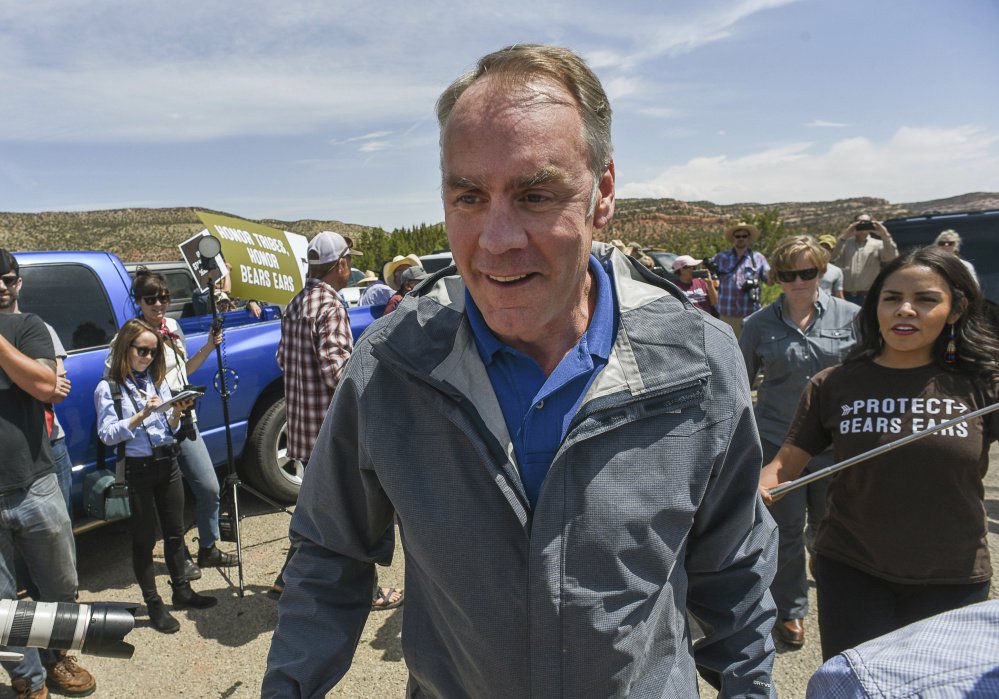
(315, 346)
(741, 274)
(315, 341)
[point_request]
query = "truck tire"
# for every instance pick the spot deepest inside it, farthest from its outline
(268, 467)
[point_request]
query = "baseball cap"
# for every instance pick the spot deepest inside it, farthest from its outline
(826, 239)
(685, 261)
(328, 247)
(414, 274)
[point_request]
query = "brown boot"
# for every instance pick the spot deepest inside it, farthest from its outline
(20, 685)
(69, 678)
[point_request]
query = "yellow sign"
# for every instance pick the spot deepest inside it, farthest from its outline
(266, 263)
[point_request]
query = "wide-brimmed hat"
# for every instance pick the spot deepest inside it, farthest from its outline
(827, 239)
(329, 247)
(369, 278)
(754, 232)
(685, 261)
(388, 272)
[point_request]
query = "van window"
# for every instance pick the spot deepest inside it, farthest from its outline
(72, 300)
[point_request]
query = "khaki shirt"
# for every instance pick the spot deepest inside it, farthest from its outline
(861, 262)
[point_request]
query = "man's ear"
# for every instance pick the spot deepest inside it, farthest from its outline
(604, 210)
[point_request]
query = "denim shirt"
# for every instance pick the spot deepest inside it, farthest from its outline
(789, 357)
(152, 432)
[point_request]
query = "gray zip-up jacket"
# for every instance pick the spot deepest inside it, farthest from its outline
(650, 510)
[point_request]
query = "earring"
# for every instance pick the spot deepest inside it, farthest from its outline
(950, 353)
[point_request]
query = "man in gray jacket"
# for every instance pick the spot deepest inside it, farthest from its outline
(591, 457)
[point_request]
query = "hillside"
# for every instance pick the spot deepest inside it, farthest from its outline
(150, 234)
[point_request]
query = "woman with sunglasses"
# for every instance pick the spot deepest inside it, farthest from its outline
(950, 241)
(905, 533)
(155, 490)
(152, 294)
(801, 333)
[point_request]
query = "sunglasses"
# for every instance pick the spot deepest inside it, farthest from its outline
(740, 236)
(806, 275)
(145, 351)
(9, 279)
(942, 243)
(151, 300)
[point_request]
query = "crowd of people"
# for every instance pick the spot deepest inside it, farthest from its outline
(596, 479)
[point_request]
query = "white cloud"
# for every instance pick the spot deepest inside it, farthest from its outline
(683, 31)
(374, 146)
(111, 72)
(822, 124)
(914, 163)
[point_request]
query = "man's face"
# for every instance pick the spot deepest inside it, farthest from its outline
(516, 190)
(10, 289)
(740, 239)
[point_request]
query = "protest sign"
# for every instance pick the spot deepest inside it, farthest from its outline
(265, 261)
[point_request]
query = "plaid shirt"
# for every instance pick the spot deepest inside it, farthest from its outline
(949, 655)
(315, 346)
(733, 271)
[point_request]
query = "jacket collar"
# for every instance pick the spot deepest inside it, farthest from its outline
(659, 342)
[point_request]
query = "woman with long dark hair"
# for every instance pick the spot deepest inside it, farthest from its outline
(152, 295)
(905, 533)
(155, 489)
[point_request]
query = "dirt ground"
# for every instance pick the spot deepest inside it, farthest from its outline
(221, 652)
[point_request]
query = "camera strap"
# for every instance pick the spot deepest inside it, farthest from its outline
(119, 468)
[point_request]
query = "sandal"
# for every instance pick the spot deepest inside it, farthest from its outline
(385, 596)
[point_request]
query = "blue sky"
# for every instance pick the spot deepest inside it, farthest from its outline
(325, 109)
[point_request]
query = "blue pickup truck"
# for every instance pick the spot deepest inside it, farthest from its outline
(85, 297)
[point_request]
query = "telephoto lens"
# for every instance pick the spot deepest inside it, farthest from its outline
(95, 629)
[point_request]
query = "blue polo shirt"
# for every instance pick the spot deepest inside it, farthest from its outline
(538, 410)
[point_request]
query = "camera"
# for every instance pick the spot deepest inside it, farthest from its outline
(752, 287)
(96, 629)
(700, 274)
(865, 226)
(166, 452)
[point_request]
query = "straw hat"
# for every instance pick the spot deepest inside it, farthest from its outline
(388, 272)
(754, 232)
(368, 278)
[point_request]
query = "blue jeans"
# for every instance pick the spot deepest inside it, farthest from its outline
(196, 465)
(34, 522)
(797, 515)
(64, 471)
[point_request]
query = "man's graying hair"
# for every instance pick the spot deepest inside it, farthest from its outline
(519, 64)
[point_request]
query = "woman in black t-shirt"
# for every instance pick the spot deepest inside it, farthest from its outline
(905, 533)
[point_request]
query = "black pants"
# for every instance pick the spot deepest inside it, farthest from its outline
(156, 493)
(855, 607)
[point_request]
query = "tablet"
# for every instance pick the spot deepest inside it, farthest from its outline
(183, 395)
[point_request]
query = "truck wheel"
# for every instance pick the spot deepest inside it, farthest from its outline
(268, 468)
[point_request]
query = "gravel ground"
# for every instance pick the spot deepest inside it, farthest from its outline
(221, 652)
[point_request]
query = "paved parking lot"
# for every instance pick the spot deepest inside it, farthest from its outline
(221, 652)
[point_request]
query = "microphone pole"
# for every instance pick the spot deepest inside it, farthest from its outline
(208, 247)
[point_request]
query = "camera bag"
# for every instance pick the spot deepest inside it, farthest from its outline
(105, 493)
